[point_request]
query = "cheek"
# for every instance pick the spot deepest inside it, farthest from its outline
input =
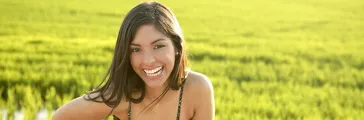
(166, 56)
(134, 60)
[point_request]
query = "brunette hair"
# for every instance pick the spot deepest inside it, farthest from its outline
(121, 79)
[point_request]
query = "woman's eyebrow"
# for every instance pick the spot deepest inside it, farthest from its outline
(155, 41)
(133, 44)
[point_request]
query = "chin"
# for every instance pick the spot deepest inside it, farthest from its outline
(155, 84)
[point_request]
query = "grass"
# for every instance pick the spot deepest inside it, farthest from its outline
(266, 59)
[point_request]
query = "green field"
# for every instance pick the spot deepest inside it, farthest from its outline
(267, 59)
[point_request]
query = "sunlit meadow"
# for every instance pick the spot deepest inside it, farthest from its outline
(267, 59)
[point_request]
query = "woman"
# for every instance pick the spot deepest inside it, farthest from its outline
(147, 79)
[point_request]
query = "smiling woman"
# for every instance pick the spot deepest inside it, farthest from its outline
(148, 78)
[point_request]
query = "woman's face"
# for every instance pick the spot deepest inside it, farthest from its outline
(152, 56)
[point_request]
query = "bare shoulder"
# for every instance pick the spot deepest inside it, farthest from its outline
(82, 109)
(198, 81)
(199, 87)
(201, 96)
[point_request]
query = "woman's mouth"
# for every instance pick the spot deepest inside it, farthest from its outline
(153, 72)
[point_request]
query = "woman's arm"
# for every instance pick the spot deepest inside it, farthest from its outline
(204, 107)
(81, 109)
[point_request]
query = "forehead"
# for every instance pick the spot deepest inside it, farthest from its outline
(147, 34)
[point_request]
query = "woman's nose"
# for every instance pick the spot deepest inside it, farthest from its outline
(148, 58)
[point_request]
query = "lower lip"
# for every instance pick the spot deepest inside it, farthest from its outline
(154, 77)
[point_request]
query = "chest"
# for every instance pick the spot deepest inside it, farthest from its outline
(166, 109)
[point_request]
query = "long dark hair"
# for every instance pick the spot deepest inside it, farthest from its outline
(121, 79)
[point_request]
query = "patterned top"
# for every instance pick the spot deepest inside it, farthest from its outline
(179, 104)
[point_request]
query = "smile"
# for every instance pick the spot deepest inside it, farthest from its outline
(153, 72)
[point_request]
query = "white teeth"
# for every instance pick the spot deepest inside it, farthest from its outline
(152, 72)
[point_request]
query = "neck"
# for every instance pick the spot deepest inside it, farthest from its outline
(154, 93)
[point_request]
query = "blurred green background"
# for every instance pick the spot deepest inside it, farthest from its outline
(267, 59)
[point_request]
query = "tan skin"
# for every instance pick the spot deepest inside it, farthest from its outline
(152, 49)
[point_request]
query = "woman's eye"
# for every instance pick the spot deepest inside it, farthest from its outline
(158, 46)
(135, 50)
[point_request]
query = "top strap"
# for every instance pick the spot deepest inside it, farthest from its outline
(180, 99)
